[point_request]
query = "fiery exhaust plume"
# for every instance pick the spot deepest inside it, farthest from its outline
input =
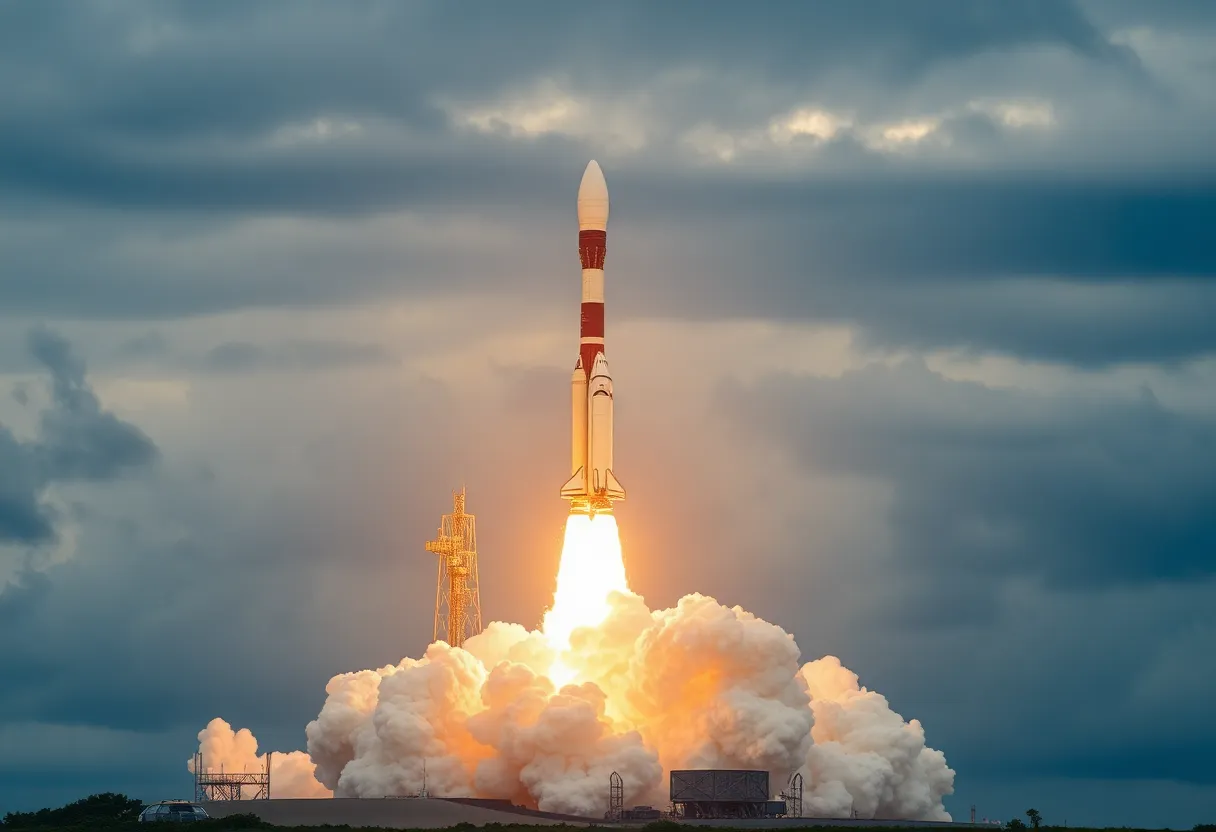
(543, 717)
(591, 567)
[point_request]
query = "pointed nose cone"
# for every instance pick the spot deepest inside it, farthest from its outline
(593, 200)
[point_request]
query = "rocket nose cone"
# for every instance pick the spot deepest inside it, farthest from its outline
(593, 199)
(593, 184)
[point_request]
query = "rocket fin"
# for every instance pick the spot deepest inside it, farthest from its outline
(576, 486)
(615, 490)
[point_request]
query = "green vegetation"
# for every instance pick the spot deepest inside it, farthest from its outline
(118, 813)
(98, 811)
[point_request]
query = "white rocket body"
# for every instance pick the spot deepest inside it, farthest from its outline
(592, 485)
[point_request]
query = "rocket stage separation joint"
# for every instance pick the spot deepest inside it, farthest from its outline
(592, 486)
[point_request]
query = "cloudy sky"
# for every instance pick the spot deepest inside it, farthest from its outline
(911, 313)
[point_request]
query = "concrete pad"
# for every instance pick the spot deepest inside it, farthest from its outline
(390, 813)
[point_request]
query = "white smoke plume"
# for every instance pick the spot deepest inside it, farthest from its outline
(291, 773)
(698, 685)
(865, 758)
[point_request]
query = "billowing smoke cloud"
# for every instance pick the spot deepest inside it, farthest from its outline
(708, 687)
(291, 773)
(697, 685)
(865, 758)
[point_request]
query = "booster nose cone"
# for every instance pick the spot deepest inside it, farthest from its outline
(593, 199)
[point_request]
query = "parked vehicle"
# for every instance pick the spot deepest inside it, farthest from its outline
(173, 811)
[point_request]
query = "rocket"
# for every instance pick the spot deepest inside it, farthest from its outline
(592, 485)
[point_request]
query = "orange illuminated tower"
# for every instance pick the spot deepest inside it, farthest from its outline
(457, 600)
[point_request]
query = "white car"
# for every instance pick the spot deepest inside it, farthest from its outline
(173, 811)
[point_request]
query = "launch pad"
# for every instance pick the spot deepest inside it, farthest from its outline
(440, 813)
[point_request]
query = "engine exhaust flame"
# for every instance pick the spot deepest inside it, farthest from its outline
(591, 568)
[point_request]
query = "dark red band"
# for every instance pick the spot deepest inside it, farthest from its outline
(593, 320)
(588, 352)
(592, 245)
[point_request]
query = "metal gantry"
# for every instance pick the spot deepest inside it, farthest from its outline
(221, 785)
(457, 597)
(616, 797)
(723, 793)
(793, 796)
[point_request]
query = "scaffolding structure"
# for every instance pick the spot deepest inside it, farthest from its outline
(221, 785)
(793, 796)
(698, 794)
(457, 598)
(616, 797)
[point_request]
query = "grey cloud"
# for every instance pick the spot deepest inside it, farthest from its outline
(148, 345)
(137, 169)
(1096, 275)
(111, 127)
(1170, 15)
(243, 356)
(77, 441)
(1072, 667)
(1076, 492)
(1034, 569)
(22, 517)
(1048, 271)
(312, 539)
(235, 355)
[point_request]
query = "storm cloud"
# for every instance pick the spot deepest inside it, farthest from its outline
(76, 441)
(920, 172)
(1075, 490)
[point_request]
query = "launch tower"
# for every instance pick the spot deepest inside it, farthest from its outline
(457, 600)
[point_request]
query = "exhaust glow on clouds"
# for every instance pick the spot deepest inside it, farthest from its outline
(695, 686)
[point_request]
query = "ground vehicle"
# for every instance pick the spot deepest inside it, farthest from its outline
(173, 811)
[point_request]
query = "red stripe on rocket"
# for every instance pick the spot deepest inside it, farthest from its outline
(592, 485)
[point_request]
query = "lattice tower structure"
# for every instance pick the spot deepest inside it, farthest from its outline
(222, 785)
(616, 797)
(457, 595)
(793, 796)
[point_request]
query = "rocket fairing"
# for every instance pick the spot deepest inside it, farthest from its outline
(592, 485)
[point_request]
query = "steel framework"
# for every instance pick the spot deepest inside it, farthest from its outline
(793, 796)
(457, 598)
(221, 785)
(616, 797)
(722, 793)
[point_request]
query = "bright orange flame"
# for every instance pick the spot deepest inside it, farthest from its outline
(591, 568)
